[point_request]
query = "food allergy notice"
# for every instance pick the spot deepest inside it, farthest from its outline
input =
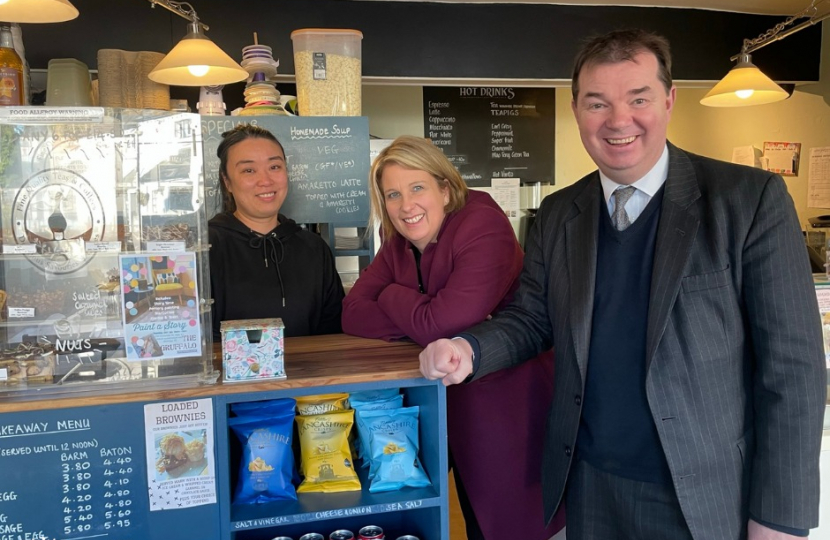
(493, 132)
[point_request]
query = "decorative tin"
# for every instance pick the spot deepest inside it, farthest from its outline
(252, 349)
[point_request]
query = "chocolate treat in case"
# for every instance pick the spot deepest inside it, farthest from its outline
(44, 302)
(172, 232)
(28, 364)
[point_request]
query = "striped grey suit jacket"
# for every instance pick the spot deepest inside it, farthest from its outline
(735, 365)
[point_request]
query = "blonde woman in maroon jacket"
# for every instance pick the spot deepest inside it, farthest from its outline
(450, 259)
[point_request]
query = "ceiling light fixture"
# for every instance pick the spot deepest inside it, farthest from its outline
(745, 84)
(37, 11)
(195, 60)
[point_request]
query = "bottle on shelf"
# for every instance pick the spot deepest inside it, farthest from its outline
(17, 40)
(11, 70)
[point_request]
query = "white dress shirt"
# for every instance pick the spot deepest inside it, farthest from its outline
(646, 188)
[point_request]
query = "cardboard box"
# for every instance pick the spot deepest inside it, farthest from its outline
(252, 349)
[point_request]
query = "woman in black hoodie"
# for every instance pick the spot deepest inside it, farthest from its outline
(262, 264)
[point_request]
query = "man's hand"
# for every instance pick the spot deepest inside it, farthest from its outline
(756, 531)
(448, 359)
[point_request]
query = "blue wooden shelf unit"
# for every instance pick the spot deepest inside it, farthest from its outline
(77, 467)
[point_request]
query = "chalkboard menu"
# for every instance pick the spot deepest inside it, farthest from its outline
(328, 165)
(73, 474)
(493, 132)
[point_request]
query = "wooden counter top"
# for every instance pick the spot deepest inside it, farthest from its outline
(309, 361)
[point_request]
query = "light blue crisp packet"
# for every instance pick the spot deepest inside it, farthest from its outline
(394, 449)
(394, 402)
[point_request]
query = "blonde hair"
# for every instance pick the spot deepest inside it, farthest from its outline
(418, 154)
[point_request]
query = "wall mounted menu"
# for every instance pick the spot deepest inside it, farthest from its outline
(493, 132)
(74, 474)
(328, 165)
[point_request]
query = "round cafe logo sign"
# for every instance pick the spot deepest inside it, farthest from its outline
(58, 211)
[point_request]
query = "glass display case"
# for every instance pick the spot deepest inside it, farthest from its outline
(103, 268)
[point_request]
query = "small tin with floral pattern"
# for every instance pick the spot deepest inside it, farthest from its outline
(252, 349)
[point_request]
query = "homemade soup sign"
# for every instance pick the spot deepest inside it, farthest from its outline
(328, 165)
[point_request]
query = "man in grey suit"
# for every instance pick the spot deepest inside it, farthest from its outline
(690, 379)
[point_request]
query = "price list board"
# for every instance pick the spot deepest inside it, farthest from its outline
(493, 132)
(73, 474)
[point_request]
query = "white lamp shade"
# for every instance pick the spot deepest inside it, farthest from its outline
(744, 85)
(37, 11)
(185, 63)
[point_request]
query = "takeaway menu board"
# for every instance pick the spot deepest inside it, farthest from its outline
(80, 473)
(493, 132)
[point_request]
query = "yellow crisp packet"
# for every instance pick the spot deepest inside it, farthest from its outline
(322, 404)
(326, 459)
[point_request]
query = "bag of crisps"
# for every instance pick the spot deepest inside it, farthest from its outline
(394, 402)
(264, 408)
(393, 442)
(322, 404)
(267, 464)
(373, 395)
(326, 459)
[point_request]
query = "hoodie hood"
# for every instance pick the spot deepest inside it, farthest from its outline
(270, 245)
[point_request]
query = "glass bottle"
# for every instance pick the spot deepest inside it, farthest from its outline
(11, 70)
(17, 40)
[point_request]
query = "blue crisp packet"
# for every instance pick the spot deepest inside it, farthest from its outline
(374, 395)
(267, 464)
(394, 402)
(394, 449)
(270, 407)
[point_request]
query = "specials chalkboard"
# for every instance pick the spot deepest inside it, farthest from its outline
(493, 132)
(79, 473)
(328, 165)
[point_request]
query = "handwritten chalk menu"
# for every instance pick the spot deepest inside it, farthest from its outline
(328, 165)
(493, 132)
(78, 473)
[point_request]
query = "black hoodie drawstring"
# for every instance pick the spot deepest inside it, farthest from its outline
(270, 239)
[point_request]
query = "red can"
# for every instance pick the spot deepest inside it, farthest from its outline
(341, 534)
(370, 532)
(312, 536)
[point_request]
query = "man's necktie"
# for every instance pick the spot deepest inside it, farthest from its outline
(620, 217)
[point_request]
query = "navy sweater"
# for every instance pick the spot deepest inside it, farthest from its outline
(617, 432)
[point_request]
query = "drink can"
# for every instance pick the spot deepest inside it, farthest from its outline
(282, 538)
(407, 537)
(312, 536)
(341, 534)
(370, 532)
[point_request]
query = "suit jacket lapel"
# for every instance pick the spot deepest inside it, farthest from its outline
(581, 238)
(675, 238)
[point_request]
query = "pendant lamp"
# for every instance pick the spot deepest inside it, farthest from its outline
(195, 60)
(745, 84)
(37, 11)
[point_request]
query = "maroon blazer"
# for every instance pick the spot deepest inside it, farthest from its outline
(496, 424)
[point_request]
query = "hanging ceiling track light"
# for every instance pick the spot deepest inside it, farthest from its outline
(195, 60)
(745, 84)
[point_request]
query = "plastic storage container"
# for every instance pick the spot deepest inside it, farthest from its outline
(68, 83)
(328, 70)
